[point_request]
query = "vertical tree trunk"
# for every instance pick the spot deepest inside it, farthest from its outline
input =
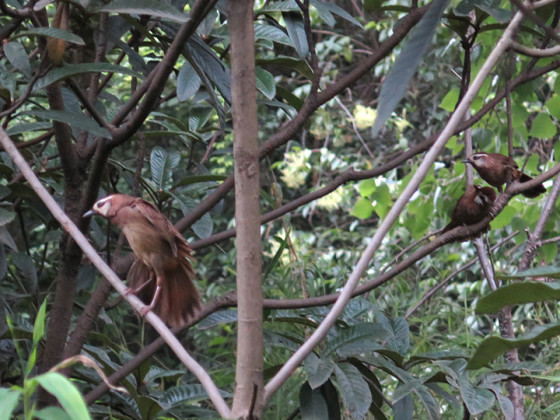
(247, 401)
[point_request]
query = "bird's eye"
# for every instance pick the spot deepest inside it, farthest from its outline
(133, 206)
(102, 204)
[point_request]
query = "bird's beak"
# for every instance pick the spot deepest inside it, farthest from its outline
(466, 161)
(88, 213)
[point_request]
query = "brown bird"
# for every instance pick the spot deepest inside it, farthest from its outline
(162, 254)
(497, 170)
(473, 206)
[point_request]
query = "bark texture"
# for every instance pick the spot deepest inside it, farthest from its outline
(248, 396)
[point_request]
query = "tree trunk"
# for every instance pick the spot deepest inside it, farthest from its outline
(248, 396)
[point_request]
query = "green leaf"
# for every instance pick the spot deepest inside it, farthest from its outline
(404, 68)
(74, 119)
(296, 32)
(449, 101)
(265, 83)
(152, 8)
(542, 271)
(319, 370)
(53, 33)
(543, 127)
(506, 406)
(272, 33)
(291, 63)
(188, 82)
(227, 316)
(353, 389)
(477, 400)
(205, 58)
(504, 218)
(356, 337)
(428, 401)
(553, 105)
(39, 326)
(312, 403)
(162, 165)
(28, 127)
(279, 6)
(517, 294)
(6, 216)
(362, 209)
(66, 393)
(203, 227)
(399, 335)
(15, 53)
(366, 187)
(60, 73)
(52, 413)
(494, 346)
(323, 8)
(404, 408)
(8, 402)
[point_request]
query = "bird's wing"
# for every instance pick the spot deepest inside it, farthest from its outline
(159, 222)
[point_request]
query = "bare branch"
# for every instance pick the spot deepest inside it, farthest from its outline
(88, 250)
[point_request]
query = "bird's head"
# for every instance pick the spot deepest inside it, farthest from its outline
(484, 195)
(478, 160)
(106, 207)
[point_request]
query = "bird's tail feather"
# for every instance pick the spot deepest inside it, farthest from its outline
(179, 300)
(532, 192)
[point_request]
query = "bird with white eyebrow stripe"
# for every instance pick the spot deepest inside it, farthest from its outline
(161, 253)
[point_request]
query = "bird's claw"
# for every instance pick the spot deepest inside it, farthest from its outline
(144, 311)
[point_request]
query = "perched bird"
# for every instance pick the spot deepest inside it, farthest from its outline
(162, 255)
(497, 170)
(473, 206)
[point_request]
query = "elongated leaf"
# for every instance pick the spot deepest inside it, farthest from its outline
(516, 294)
(52, 413)
(146, 7)
(362, 334)
(39, 326)
(6, 216)
(428, 401)
(404, 408)
(335, 10)
(66, 393)
(477, 400)
(312, 404)
(295, 64)
(318, 370)
(188, 82)
(162, 164)
(542, 271)
(265, 83)
(203, 227)
(494, 346)
(16, 54)
(185, 393)
(207, 60)
(404, 68)
(272, 33)
(296, 32)
(60, 73)
(354, 390)
(75, 120)
(280, 6)
(227, 316)
(28, 127)
(8, 402)
(505, 403)
(52, 33)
